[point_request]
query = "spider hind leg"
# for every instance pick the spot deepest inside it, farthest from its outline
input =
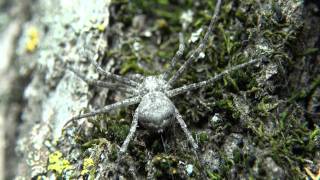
(130, 136)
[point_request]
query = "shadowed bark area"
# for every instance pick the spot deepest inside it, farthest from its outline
(260, 122)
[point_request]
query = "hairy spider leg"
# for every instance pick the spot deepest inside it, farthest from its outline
(133, 128)
(190, 139)
(99, 83)
(195, 55)
(209, 82)
(185, 129)
(137, 78)
(177, 56)
(114, 77)
(123, 103)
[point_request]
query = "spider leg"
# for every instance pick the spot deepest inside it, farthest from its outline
(113, 86)
(177, 56)
(209, 82)
(112, 76)
(185, 130)
(191, 140)
(126, 142)
(136, 77)
(123, 103)
(195, 55)
(129, 137)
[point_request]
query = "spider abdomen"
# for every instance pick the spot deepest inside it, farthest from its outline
(156, 111)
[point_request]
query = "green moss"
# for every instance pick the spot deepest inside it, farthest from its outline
(118, 132)
(156, 145)
(314, 133)
(214, 176)
(203, 137)
(230, 82)
(230, 44)
(92, 142)
(245, 30)
(114, 153)
(130, 64)
(112, 129)
(226, 165)
(226, 104)
(265, 106)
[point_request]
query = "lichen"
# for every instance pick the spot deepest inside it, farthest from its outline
(88, 167)
(165, 165)
(58, 163)
(33, 39)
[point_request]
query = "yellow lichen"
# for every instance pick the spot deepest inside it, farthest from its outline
(88, 165)
(32, 39)
(57, 163)
(311, 175)
(101, 27)
(162, 24)
(158, 158)
(173, 170)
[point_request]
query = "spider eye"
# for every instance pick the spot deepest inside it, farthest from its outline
(156, 111)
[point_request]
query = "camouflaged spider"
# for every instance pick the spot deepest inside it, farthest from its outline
(155, 110)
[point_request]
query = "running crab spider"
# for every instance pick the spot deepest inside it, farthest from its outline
(155, 110)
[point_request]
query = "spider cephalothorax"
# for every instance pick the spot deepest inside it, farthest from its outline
(152, 84)
(155, 110)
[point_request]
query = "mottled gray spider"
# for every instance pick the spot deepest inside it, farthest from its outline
(155, 110)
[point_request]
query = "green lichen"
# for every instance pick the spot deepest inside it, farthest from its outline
(88, 167)
(166, 166)
(58, 163)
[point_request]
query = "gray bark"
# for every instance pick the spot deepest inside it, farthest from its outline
(61, 32)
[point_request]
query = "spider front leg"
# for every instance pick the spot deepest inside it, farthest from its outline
(195, 55)
(98, 83)
(123, 103)
(114, 77)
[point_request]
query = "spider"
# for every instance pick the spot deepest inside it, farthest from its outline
(155, 110)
